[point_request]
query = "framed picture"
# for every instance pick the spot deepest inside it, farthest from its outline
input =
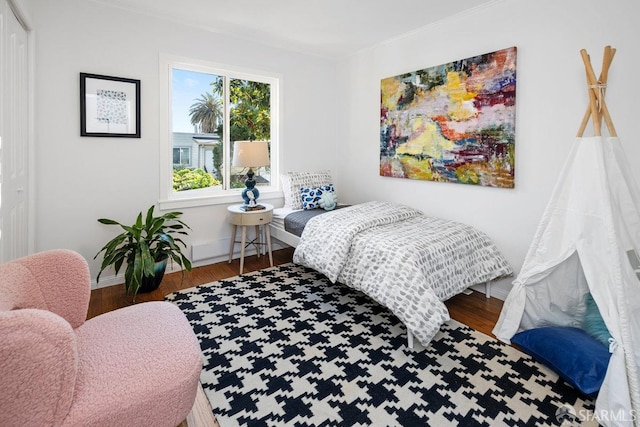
(109, 106)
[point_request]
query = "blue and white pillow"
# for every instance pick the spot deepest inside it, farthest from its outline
(292, 182)
(311, 195)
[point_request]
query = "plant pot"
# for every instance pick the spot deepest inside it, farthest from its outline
(151, 283)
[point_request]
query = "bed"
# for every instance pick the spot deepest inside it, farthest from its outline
(287, 224)
(395, 254)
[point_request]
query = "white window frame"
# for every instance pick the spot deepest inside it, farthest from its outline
(170, 199)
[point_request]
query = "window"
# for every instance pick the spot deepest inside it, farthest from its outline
(181, 156)
(205, 109)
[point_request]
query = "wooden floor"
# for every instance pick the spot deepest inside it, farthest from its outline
(114, 297)
(473, 310)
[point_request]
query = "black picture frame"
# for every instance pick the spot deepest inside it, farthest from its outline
(109, 106)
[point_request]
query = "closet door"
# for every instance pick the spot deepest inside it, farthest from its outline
(14, 140)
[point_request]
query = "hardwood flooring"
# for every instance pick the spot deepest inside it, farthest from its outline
(473, 310)
(114, 297)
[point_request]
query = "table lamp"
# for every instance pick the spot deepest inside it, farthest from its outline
(250, 154)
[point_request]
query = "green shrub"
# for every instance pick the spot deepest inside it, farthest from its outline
(190, 179)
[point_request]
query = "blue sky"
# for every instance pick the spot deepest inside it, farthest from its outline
(187, 86)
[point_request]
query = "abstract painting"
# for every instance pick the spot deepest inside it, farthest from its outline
(453, 122)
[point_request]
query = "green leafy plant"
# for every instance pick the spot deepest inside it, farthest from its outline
(190, 179)
(143, 244)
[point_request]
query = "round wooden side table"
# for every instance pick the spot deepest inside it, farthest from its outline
(244, 218)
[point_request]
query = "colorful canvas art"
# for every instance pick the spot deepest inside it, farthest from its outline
(452, 123)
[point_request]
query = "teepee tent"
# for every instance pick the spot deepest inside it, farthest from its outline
(588, 241)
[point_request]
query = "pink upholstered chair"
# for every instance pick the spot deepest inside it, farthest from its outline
(137, 366)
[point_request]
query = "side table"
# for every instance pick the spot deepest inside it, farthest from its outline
(238, 217)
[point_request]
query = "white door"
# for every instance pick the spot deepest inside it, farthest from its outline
(14, 141)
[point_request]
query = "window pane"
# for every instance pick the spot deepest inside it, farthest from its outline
(250, 120)
(185, 156)
(197, 126)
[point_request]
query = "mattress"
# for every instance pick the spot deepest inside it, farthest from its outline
(279, 214)
(293, 221)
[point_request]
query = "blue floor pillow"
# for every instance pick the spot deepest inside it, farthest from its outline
(574, 355)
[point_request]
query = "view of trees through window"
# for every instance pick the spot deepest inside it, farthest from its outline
(203, 133)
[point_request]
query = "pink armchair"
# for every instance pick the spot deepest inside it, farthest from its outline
(137, 366)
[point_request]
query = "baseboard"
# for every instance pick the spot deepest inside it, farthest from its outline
(201, 254)
(499, 289)
(106, 281)
(500, 292)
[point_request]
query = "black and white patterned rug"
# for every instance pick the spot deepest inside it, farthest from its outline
(283, 346)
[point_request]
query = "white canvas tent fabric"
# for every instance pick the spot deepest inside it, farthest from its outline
(588, 241)
(589, 232)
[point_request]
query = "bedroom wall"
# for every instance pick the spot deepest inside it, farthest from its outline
(79, 179)
(551, 100)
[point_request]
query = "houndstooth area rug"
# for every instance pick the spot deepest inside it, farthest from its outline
(283, 346)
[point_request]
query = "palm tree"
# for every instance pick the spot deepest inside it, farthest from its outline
(206, 112)
(250, 116)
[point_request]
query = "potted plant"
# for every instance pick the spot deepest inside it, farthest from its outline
(145, 247)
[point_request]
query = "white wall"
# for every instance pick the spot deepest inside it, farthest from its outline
(551, 100)
(80, 179)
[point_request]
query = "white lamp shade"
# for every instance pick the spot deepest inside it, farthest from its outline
(250, 153)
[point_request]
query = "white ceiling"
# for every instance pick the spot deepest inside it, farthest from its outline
(327, 28)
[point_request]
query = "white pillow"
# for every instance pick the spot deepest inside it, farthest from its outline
(285, 179)
(292, 182)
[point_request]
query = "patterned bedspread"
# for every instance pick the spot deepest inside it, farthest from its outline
(403, 259)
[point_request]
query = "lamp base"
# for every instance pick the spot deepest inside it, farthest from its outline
(250, 194)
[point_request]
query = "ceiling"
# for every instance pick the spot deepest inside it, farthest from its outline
(326, 28)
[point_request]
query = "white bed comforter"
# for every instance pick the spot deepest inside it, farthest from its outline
(403, 259)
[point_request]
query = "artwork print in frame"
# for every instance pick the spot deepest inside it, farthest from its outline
(109, 106)
(453, 122)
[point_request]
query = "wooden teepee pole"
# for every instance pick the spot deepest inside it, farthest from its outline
(597, 109)
(594, 113)
(607, 58)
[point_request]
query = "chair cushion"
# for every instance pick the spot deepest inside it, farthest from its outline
(574, 355)
(38, 366)
(139, 365)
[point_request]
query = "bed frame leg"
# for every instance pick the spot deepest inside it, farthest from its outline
(409, 339)
(487, 289)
